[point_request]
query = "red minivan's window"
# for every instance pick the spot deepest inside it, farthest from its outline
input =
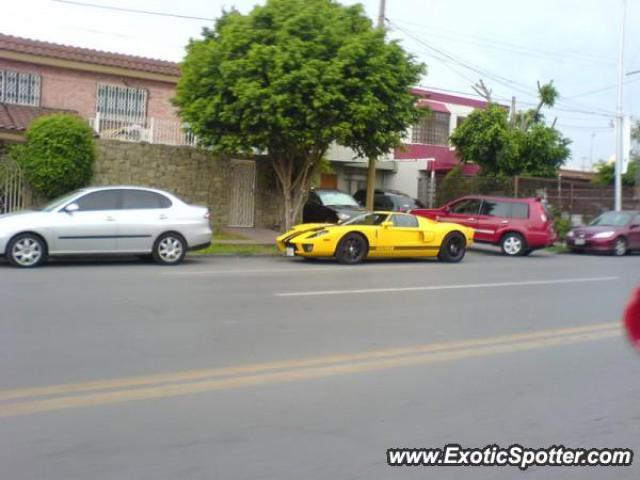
(519, 210)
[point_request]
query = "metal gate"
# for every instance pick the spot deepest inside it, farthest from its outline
(12, 186)
(243, 180)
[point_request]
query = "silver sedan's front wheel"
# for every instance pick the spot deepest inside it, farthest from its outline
(26, 251)
(169, 249)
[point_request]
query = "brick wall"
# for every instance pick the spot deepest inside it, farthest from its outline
(75, 90)
(194, 175)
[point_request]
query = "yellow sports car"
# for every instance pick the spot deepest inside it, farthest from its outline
(378, 234)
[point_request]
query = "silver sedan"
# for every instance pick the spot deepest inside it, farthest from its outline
(106, 220)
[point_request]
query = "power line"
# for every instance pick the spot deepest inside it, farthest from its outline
(133, 10)
(494, 42)
(461, 62)
(512, 84)
(601, 89)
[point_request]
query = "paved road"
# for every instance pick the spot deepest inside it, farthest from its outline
(272, 368)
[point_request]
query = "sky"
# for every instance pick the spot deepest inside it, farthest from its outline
(510, 44)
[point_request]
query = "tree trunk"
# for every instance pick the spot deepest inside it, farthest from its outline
(293, 182)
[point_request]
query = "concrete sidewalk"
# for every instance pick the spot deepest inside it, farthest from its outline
(250, 236)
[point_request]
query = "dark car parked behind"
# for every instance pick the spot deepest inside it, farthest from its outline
(611, 232)
(389, 200)
(326, 205)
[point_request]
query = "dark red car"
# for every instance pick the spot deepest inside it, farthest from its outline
(611, 232)
(517, 225)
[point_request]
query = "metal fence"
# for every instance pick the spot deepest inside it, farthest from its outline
(13, 190)
(572, 198)
(147, 129)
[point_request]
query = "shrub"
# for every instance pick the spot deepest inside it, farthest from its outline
(58, 155)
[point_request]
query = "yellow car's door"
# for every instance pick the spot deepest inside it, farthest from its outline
(403, 236)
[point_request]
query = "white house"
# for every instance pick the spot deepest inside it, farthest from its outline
(426, 149)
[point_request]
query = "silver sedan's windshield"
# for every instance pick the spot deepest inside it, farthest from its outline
(58, 202)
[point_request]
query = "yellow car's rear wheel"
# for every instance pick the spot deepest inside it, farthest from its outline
(453, 248)
(352, 249)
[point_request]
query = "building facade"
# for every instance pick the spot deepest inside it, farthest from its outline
(121, 95)
(425, 152)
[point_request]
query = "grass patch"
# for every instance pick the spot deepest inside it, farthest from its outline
(222, 235)
(238, 249)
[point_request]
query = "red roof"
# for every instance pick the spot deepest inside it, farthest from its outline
(18, 117)
(87, 55)
(447, 98)
(435, 106)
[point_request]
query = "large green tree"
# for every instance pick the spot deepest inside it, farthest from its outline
(290, 78)
(520, 145)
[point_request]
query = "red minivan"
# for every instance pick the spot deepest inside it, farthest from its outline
(517, 225)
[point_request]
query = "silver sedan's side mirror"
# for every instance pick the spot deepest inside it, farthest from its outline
(72, 207)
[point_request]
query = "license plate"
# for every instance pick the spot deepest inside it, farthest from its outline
(580, 241)
(290, 252)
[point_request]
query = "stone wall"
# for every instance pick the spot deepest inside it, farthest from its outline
(197, 176)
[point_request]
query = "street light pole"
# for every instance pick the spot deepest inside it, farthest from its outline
(619, 115)
(371, 172)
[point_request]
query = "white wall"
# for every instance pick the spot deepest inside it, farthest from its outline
(406, 177)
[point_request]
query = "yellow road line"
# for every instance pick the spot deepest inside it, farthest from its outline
(193, 375)
(364, 363)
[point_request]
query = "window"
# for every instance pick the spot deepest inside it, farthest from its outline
(460, 121)
(20, 88)
(432, 129)
(403, 203)
(102, 200)
(367, 219)
(612, 219)
(334, 197)
(314, 199)
(496, 209)
(470, 206)
(121, 103)
(383, 202)
(406, 221)
(142, 199)
(519, 210)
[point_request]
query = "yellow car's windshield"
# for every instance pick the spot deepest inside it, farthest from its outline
(368, 219)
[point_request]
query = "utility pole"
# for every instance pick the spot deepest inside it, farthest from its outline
(619, 115)
(512, 118)
(371, 172)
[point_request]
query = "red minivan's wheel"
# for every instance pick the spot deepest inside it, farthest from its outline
(513, 244)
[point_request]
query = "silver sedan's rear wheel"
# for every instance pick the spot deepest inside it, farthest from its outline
(26, 251)
(170, 249)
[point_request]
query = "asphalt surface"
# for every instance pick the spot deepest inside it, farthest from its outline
(275, 368)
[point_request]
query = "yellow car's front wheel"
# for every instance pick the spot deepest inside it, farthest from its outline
(352, 249)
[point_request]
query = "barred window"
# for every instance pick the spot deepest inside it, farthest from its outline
(432, 129)
(121, 103)
(20, 88)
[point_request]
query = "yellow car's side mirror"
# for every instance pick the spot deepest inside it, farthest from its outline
(387, 224)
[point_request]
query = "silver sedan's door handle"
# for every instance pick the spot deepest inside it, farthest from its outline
(163, 217)
(110, 219)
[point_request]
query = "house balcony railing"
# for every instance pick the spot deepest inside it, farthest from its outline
(147, 130)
